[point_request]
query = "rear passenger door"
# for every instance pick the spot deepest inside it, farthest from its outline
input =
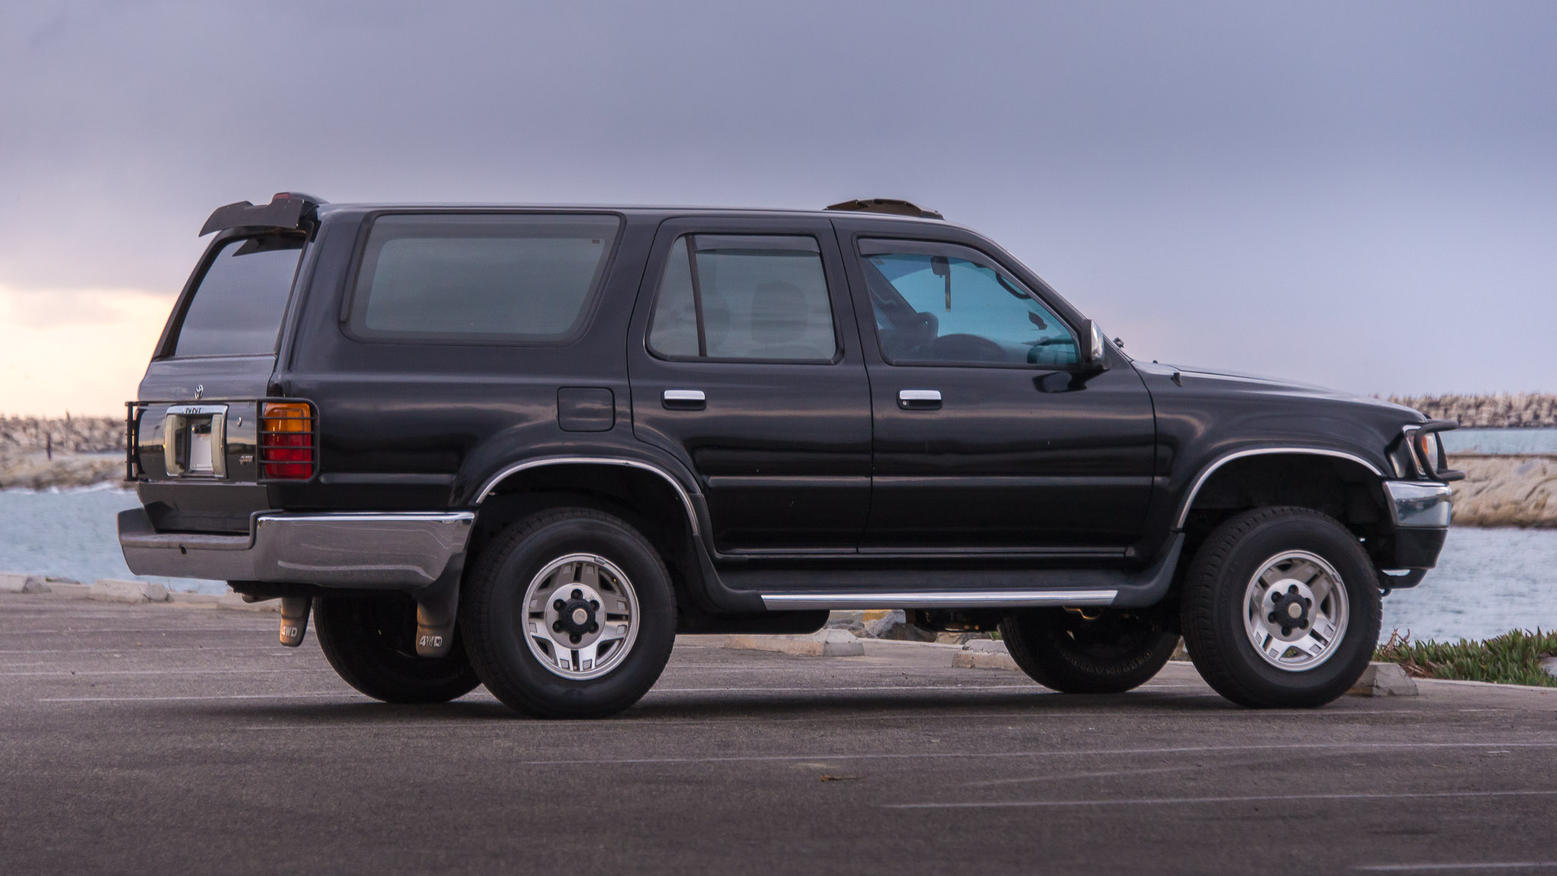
(744, 361)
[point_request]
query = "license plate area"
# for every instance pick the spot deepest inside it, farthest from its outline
(195, 441)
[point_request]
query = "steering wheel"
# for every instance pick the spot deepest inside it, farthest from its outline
(967, 348)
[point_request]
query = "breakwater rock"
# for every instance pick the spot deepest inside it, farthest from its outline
(1509, 410)
(38, 453)
(1506, 491)
(68, 435)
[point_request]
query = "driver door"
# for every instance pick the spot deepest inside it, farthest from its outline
(986, 434)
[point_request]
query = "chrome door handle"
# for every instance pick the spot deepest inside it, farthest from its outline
(919, 399)
(684, 399)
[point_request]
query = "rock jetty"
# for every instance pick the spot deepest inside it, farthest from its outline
(38, 453)
(1527, 410)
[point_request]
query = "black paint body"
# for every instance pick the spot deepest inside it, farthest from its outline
(811, 471)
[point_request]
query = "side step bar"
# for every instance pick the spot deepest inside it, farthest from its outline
(1039, 587)
(936, 599)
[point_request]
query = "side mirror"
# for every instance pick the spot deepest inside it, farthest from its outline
(1093, 357)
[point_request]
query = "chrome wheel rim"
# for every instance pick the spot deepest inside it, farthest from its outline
(580, 616)
(1295, 611)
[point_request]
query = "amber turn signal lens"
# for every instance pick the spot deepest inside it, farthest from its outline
(286, 440)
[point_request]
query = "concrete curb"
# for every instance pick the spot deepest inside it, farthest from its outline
(117, 590)
(984, 654)
(1384, 680)
(15, 582)
(827, 643)
(128, 591)
(1459, 682)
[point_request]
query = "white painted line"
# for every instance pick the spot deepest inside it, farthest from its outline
(1254, 798)
(829, 690)
(269, 696)
(81, 673)
(1103, 774)
(972, 753)
(1479, 865)
(166, 631)
(136, 649)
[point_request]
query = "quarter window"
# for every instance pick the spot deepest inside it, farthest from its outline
(744, 297)
(943, 304)
(480, 278)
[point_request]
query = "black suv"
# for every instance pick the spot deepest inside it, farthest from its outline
(525, 447)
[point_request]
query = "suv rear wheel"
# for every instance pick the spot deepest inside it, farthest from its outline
(1105, 652)
(1281, 608)
(569, 614)
(371, 644)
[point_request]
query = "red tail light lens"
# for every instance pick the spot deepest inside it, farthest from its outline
(286, 440)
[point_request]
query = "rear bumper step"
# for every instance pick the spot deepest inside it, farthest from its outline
(353, 550)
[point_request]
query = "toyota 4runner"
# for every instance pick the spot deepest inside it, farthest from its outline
(526, 447)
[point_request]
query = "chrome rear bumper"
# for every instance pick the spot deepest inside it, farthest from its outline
(388, 551)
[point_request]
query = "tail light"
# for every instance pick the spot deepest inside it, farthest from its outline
(286, 440)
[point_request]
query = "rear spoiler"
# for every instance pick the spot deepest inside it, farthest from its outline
(288, 211)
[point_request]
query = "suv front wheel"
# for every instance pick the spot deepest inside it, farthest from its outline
(569, 614)
(1281, 608)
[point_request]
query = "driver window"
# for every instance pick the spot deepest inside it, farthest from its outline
(953, 309)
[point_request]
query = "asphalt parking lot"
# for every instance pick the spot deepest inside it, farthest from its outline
(163, 738)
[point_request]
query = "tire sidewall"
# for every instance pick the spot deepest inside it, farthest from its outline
(1338, 547)
(1038, 641)
(517, 674)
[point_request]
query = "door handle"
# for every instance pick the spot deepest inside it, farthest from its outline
(919, 399)
(684, 400)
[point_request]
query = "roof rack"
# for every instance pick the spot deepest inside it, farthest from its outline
(885, 205)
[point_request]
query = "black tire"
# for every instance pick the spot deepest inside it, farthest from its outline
(493, 614)
(371, 643)
(1111, 652)
(1213, 606)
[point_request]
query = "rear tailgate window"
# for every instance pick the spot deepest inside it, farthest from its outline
(239, 303)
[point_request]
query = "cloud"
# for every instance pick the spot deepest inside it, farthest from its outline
(1193, 169)
(88, 358)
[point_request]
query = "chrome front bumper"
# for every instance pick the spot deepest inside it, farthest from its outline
(1419, 504)
(390, 551)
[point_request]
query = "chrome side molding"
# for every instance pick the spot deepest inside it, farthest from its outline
(866, 599)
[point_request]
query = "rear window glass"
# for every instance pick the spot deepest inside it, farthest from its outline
(480, 278)
(238, 305)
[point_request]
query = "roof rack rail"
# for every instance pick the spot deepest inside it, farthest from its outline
(885, 205)
(286, 210)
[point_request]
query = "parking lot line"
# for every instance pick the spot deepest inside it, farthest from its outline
(1252, 798)
(262, 696)
(84, 673)
(985, 753)
(1474, 865)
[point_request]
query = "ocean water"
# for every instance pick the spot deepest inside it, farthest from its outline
(1500, 442)
(1488, 581)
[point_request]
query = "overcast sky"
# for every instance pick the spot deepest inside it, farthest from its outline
(1358, 194)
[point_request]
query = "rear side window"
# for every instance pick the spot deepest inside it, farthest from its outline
(510, 279)
(238, 305)
(744, 297)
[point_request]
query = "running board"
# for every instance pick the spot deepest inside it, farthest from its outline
(1001, 589)
(936, 599)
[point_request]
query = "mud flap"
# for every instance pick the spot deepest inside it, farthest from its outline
(294, 619)
(436, 610)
